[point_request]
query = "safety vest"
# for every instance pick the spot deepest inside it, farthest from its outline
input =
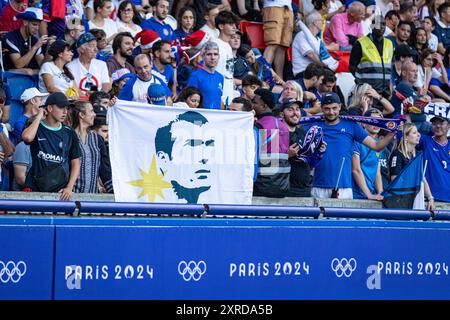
(372, 68)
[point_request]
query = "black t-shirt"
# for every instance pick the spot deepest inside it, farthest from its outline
(397, 162)
(15, 43)
(300, 176)
(51, 148)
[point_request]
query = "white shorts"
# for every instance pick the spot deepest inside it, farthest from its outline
(344, 193)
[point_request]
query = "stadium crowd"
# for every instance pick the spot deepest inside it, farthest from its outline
(83, 55)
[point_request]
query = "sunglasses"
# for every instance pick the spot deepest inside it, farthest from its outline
(2, 100)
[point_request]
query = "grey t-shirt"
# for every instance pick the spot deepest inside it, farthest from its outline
(22, 156)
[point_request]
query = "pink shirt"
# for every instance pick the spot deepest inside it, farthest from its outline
(338, 29)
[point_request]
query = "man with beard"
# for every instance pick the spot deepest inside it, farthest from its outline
(340, 136)
(436, 150)
(300, 176)
(156, 23)
(25, 50)
(122, 46)
(371, 58)
(162, 67)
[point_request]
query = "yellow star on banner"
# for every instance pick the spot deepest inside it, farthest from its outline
(152, 182)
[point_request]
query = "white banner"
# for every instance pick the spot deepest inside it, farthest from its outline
(178, 155)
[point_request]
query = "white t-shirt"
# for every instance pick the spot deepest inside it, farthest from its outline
(122, 27)
(226, 68)
(213, 33)
(387, 32)
(60, 80)
(140, 89)
(334, 6)
(384, 6)
(300, 48)
(433, 42)
(109, 27)
(420, 83)
(277, 3)
(97, 74)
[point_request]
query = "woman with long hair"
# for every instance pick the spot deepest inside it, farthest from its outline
(128, 18)
(186, 23)
(420, 40)
(261, 68)
(363, 99)
(191, 96)
(403, 153)
(54, 75)
(95, 162)
(428, 74)
(430, 9)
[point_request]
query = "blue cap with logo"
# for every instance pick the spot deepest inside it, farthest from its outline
(156, 94)
(330, 97)
(85, 38)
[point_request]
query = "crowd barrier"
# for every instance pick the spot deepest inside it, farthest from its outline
(221, 252)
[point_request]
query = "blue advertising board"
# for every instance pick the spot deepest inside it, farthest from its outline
(253, 260)
(26, 262)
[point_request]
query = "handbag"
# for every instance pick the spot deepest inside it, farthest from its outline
(51, 179)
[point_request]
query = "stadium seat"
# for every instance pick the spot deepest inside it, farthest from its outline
(17, 83)
(289, 54)
(16, 112)
(255, 33)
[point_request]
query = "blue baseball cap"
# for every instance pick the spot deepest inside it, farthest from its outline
(156, 94)
(31, 14)
(85, 38)
(330, 98)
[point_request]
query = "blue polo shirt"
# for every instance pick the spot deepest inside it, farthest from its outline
(210, 85)
(164, 30)
(340, 139)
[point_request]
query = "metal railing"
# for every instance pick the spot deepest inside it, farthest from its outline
(76, 208)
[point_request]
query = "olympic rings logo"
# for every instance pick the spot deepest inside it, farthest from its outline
(343, 267)
(191, 270)
(11, 271)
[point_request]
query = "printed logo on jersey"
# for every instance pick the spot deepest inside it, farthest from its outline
(87, 83)
(50, 157)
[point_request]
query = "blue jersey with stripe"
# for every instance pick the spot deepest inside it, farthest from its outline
(438, 167)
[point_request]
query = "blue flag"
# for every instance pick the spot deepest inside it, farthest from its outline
(402, 192)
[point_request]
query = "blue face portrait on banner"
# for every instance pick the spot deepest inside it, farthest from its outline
(185, 142)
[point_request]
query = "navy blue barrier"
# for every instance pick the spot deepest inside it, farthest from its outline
(217, 210)
(441, 215)
(171, 258)
(394, 214)
(38, 206)
(138, 207)
(260, 210)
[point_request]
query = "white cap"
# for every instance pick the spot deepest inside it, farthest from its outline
(30, 93)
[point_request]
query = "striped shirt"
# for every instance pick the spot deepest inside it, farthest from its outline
(94, 164)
